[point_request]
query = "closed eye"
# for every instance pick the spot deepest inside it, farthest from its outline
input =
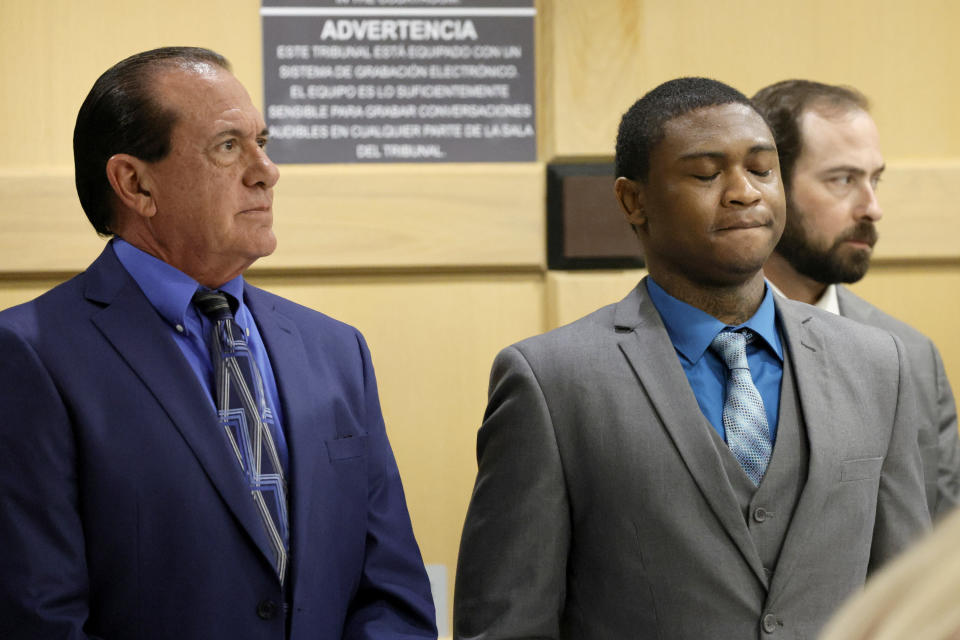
(706, 178)
(762, 174)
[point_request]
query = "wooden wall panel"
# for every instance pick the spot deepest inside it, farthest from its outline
(919, 202)
(329, 217)
(607, 53)
(42, 227)
(573, 294)
(52, 51)
(410, 216)
(383, 217)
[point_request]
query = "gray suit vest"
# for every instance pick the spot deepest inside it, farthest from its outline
(768, 508)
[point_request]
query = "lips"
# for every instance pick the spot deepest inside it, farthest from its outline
(747, 222)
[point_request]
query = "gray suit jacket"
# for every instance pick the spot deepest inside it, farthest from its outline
(599, 510)
(939, 443)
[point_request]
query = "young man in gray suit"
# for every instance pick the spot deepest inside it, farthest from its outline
(698, 460)
(831, 164)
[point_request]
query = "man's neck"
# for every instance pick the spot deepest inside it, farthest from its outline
(730, 304)
(206, 271)
(791, 282)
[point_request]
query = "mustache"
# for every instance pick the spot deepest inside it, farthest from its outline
(864, 231)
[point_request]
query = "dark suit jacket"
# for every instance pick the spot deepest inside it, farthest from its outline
(939, 441)
(600, 509)
(124, 515)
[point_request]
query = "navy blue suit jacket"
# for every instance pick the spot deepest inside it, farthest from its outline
(124, 515)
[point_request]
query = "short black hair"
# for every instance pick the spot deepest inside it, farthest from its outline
(784, 103)
(641, 127)
(121, 115)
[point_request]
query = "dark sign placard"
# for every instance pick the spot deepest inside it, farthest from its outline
(585, 227)
(399, 80)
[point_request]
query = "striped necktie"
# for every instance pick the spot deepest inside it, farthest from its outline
(247, 420)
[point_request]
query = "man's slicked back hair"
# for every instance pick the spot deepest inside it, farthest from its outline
(784, 103)
(121, 114)
(641, 127)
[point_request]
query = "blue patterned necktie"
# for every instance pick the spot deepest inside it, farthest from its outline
(246, 418)
(744, 417)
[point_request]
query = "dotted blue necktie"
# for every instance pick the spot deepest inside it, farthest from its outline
(744, 417)
(246, 418)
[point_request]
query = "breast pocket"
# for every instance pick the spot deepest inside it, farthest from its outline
(860, 469)
(347, 448)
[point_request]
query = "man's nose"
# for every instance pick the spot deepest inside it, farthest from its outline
(262, 171)
(741, 191)
(871, 206)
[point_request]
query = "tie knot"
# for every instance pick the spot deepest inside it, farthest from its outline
(731, 346)
(213, 304)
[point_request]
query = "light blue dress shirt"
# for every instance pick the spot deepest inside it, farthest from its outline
(691, 331)
(170, 291)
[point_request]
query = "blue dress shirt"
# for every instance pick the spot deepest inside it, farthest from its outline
(691, 331)
(170, 291)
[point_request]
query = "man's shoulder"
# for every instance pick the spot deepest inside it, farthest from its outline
(586, 342)
(594, 326)
(828, 324)
(88, 291)
(62, 300)
(304, 317)
(856, 308)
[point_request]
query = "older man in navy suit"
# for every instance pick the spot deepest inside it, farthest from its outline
(183, 455)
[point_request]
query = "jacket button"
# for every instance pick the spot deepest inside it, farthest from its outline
(267, 609)
(760, 514)
(769, 623)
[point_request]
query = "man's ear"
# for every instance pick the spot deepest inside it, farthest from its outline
(631, 196)
(130, 178)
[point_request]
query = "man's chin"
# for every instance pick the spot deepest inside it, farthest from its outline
(266, 245)
(852, 264)
(853, 273)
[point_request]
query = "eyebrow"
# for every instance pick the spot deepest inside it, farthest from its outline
(238, 133)
(719, 155)
(843, 168)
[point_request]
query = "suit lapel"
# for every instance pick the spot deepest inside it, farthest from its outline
(136, 331)
(818, 401)
(302, 417)
(646, 345)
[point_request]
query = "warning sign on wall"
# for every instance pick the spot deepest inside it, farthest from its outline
(399, 80)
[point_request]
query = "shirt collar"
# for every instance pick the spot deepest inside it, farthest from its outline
(828, 301)
(168, 289)
(691, 330)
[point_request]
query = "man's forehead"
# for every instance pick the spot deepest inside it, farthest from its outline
(199, 67)
(199, 76)
(837, 132)
(207, 95)
(713, 129)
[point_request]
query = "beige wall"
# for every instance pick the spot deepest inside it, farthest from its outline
(441, 265)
